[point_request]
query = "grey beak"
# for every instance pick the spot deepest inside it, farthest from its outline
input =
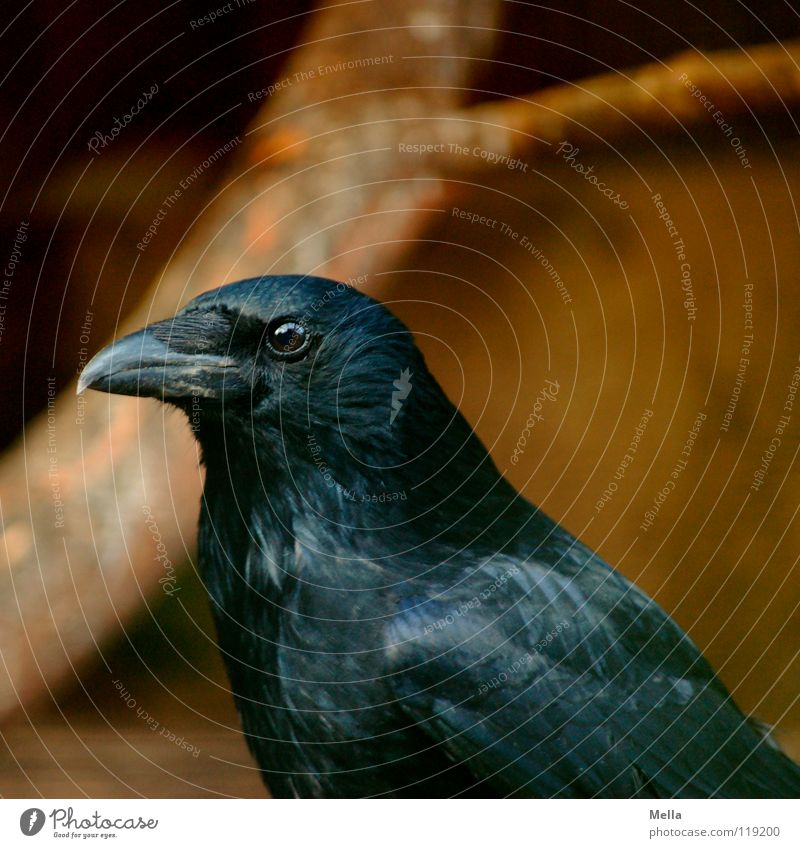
(148, 364)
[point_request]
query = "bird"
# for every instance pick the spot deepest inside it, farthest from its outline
(395, 618)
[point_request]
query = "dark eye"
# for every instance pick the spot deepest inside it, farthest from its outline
(286, 336)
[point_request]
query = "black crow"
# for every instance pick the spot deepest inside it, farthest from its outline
(395, 618)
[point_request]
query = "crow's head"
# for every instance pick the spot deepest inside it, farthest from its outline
(269, 350)
(290, 358)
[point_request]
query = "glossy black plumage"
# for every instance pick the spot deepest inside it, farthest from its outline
(394, 617)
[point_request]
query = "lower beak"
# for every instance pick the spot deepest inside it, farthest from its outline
(145, 366)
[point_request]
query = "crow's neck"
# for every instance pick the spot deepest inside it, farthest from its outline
(274, 505)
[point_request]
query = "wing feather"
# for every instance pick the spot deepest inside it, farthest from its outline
(570, 682)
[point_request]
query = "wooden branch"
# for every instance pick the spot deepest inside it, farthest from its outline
(99, 499)
(689, 90)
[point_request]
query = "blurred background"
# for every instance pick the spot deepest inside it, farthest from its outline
(596, 195)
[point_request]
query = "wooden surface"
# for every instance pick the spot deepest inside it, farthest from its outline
(170, 731)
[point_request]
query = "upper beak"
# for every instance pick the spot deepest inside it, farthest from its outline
(159, 361)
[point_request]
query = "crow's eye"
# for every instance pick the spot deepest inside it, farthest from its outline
(286, 336)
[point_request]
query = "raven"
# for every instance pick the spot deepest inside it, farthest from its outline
(395, 618)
